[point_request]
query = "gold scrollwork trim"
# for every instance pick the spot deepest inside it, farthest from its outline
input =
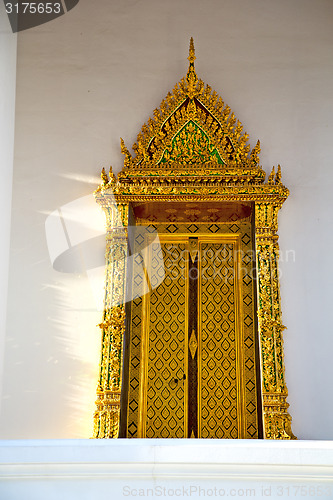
(106, 417)
(277, 421)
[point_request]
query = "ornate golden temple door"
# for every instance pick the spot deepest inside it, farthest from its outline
(192, 328)
(193, 355)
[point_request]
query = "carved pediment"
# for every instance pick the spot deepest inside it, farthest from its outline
(193, 145)
(193, 126)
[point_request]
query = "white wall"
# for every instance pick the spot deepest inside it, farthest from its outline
(96, 74)
(7, 120)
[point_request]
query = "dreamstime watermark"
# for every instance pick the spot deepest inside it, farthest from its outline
(224, 264)
(75, 235)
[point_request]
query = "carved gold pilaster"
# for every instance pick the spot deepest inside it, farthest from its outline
(106, 417)
(277, 421)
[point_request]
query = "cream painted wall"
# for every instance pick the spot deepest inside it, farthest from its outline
(7, 122)
(96, 74)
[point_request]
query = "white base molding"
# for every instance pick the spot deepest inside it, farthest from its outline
(156, 468)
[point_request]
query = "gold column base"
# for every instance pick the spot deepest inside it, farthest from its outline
(277, 421)
(107, 414)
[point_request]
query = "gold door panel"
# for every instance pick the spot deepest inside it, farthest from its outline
(219, 401)
(164, 349)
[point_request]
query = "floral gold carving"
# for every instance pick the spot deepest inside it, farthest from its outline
(193, 344)
(106, 417)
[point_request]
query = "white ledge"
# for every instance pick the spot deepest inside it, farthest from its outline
(139, 467)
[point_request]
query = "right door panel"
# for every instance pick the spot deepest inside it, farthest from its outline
(220, 339)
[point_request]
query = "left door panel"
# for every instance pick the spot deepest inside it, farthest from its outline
(163, 398)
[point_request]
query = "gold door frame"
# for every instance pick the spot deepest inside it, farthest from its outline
(202, 238)
(193, 151)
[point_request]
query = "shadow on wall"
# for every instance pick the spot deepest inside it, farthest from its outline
(75, 235)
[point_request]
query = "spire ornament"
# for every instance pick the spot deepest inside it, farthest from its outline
(191, 76)
(104, 177)
(271, 177)
(278, 175)
(124, 150)
(191, 56)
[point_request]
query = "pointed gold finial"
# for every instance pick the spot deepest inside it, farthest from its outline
(112, 177)
(191, 76)
(104, 177)
(278, 175)
(271, 176)
(124, 150)
(191, 56)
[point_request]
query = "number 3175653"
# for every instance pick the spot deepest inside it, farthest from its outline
(33, 8)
